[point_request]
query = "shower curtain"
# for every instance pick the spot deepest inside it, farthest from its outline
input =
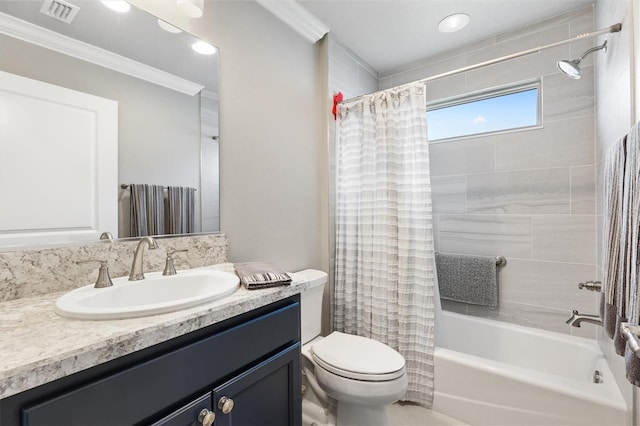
(384, 262)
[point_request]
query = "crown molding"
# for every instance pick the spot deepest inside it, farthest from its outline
(297, 17)
(26, 31)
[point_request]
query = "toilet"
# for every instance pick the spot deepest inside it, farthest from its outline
(348, 380)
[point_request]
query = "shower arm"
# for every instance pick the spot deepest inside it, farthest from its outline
(593, 49)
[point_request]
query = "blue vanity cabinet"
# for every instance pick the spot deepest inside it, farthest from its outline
(192, 414)
(251, 397)
(259, 396)
(252, 359)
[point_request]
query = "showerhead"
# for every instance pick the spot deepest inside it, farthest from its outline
(572, 68)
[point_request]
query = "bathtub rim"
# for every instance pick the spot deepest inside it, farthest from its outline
(606, 393)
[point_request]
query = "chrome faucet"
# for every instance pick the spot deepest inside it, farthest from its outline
(136, 266)
(577, 318)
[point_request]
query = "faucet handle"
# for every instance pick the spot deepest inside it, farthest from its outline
(169, 267)
(103, 280)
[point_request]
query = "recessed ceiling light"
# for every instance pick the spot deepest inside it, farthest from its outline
(117, 5)
(453, 23)
(191, 8)
(168, 27)
(203, 48)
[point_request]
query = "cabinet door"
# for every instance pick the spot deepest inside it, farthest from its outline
(266, 395)
(187, 415)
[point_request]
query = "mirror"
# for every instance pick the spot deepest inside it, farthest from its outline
(166, 93)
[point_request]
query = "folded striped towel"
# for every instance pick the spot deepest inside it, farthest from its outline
(255, 275)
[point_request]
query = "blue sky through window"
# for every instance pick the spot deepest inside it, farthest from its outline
(502, 112)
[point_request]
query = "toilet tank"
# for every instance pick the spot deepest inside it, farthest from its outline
(311, 304)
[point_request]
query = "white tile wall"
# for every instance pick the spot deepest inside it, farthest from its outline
(538, 279)
(527, 195)
(564, 238)
(583, 186)
(449, 194)
(562, 100)
(520, 192)
(489, 235)
(562, 143)
(479, 156)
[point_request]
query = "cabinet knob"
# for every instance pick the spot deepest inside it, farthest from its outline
(225, 404)
(206, 417)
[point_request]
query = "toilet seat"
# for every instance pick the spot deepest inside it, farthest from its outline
(358, 358)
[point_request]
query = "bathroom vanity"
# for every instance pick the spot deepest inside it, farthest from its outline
(236, 366)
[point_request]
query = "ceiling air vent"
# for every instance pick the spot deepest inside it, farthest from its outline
(60, 10)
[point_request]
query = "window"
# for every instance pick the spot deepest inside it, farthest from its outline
(498, 110)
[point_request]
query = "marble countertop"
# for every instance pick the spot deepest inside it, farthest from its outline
(38, 346)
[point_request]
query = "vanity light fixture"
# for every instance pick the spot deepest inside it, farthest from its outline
(191, 8)
(453, 23)
(168, 27)
(120, 6)
(203, 48)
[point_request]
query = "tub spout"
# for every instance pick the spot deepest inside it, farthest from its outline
(577, 318)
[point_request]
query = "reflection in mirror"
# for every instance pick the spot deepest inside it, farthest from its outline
(166, 97)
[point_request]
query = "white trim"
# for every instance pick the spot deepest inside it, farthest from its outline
(52, 40)
(479, 95)
(297, 17)
(210, 94)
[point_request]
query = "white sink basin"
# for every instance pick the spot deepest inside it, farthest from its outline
(155, 294)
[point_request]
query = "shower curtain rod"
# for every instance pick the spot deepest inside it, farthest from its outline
(612, 29)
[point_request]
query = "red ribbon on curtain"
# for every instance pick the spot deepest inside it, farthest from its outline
(337, 98)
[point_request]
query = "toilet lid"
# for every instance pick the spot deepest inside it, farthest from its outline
(357, 357)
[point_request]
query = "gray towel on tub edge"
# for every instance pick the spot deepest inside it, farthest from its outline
(467, 279)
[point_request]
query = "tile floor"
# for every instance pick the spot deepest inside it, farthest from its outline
(407, 414)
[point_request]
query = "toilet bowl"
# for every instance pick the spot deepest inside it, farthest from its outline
(348, 379)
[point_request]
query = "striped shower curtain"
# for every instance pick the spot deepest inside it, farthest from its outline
(384, 262)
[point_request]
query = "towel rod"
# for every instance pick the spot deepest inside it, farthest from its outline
(501, 261)
(631, 332)
(126, 185)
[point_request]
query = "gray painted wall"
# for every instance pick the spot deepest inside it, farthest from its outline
(270, 132)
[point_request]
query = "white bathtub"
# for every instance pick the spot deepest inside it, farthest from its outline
(493, 373)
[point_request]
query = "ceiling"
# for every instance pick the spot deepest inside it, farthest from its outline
(388, 34)
(135, 35)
